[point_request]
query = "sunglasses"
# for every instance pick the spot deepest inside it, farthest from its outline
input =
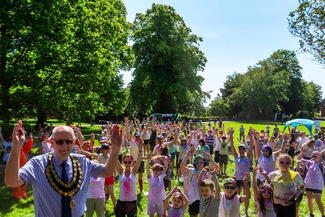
(127, 162)
(285, 162)
(265, 150)
(62, 141)
(266, 192)
(230, 187)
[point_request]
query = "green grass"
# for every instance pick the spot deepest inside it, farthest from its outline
(24, 208)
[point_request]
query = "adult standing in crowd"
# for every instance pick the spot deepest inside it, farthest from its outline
(287, 187)
(60, 179)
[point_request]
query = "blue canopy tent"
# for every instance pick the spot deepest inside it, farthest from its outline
(305, 122)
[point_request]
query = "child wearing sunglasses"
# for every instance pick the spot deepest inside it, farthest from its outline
(263, 196)
(179, 203)
(230, 200)
(127, 202)
(314, 180)
(157, 193)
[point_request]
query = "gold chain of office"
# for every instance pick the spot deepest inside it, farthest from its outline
(65, 189)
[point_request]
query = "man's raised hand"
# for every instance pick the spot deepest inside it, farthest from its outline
(117, 139)
(18, 134)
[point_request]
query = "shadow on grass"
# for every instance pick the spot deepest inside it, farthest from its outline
(139, 199)
(8, 204)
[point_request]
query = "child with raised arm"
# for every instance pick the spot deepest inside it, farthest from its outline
(263, 196)
(209, 193)
(156, 194)
(179, 203)
(230, 200)
(127, 202)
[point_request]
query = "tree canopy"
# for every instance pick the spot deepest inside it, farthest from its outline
(308, 23)
(62, 58)
(167, 61)
(273, 85)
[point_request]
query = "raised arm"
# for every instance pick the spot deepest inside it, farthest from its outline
(185, 199)
(284, 144)
(254, 143)
(12, 178)
(247, 195)
(169, 195)
(139, 159)
(117, 140)
(184, 161)
(250, 151)
(127, 130)
(266, 176)
(255, 187)
(148, 166)
(231, 141)
(92, 140)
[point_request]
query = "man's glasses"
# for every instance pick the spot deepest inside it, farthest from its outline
(127, 162)
(265, 150)
(230, 187)
(285, 162)
(62, 141)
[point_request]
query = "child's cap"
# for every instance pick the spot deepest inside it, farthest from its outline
(230, 181)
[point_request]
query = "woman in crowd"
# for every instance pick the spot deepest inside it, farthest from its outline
(287, 187)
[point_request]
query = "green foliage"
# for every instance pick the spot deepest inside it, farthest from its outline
(62, 56)
(219, 107)
(307, 22)
(273, 85)
(167, 59)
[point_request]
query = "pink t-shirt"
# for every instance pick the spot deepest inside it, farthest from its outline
(96, 188)
(156, 188)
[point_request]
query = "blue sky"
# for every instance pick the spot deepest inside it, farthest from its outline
(236, 34)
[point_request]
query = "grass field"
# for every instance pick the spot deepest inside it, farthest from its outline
(24, 208)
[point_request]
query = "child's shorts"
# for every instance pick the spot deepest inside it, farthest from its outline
(155, 207)
(223, 159)
(109, 180)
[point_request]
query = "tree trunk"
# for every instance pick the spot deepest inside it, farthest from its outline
(41, 119)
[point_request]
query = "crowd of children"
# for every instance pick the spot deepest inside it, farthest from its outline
(278, 168)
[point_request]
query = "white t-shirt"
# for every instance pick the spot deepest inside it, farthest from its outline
(217, 145)
(229, 208)
(127, 187)
(193, 191)
(300, 142)
(147, 135)
(96, 188)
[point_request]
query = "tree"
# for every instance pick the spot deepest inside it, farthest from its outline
(167, 59)
(285, 62)
(308, 23)
(312, 97)
(218, 107)
(62, 56)
(232, 82)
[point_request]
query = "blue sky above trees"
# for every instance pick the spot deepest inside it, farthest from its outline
(236, 34)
